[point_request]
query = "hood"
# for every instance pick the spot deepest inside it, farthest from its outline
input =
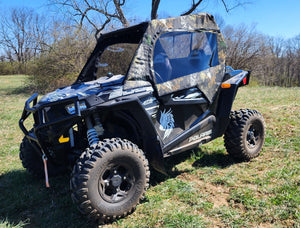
(83, 89)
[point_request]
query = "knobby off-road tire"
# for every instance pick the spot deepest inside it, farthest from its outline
(245, 134)
(33, 162)
(109, 179)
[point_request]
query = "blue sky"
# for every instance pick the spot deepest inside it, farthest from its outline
(271, 17)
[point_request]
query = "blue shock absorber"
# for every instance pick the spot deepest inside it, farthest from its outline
(92, 135)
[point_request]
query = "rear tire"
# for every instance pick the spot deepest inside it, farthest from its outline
(33, 162)
(109, 179)
(245, 134)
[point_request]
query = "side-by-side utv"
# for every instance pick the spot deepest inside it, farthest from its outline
(147, 92)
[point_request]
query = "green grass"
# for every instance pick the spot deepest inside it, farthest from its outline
(205, 187)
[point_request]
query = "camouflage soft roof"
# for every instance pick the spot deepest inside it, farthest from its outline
(141, 69)
(187, 23)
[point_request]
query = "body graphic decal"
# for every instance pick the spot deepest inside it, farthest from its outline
(166, 122)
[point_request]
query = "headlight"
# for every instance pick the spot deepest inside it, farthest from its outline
(71, 107)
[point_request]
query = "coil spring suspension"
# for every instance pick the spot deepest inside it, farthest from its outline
(92, 136)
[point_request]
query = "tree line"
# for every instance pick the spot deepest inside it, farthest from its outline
(273, 61)
(53, 50)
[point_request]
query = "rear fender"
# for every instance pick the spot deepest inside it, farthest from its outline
(236, 77)
(228, 91)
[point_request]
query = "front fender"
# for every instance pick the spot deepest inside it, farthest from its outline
(151, 142)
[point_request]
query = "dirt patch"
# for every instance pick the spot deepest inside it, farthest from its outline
(216, 194)
(265, 225)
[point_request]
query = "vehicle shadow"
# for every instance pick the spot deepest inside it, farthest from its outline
(215, 159)
(170, 172)
(25, 201)
(201, 159)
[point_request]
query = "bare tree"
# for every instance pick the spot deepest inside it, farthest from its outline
(193, 7)
(245, 46)
(154, 9)
(22, 34)
(155, 5)
(67, 51)
(228, 7)
(273, 61)
(39, 33)
(291, 62)
(98, 13)
(225, 3)
(14, 36)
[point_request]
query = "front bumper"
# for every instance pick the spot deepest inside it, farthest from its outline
(26, 112)
(43, 123)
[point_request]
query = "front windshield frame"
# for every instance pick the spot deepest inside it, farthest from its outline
(132, 35)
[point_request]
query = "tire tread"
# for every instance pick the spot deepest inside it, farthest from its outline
(81, 170)
(233, 137)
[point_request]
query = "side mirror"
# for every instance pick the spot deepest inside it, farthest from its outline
(110, 74)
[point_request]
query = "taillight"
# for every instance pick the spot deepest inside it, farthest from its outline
(245, 80)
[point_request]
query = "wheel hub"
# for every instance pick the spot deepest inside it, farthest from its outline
(116, 180)
(253, 136)
(115, 184)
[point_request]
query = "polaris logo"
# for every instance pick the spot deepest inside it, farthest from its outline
(200, 136)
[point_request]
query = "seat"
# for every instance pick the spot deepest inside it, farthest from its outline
(162, 68)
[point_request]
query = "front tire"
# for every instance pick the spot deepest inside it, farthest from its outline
(109, 179)
(33, 163)
(245, 134)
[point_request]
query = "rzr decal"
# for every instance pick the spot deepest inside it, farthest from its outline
(200, 136)
(166, 122)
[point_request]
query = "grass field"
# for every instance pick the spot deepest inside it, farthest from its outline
(205, 187)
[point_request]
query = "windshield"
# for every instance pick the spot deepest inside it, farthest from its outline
(114, 44)
(115, 59)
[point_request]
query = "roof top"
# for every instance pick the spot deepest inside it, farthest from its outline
(201, 21)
